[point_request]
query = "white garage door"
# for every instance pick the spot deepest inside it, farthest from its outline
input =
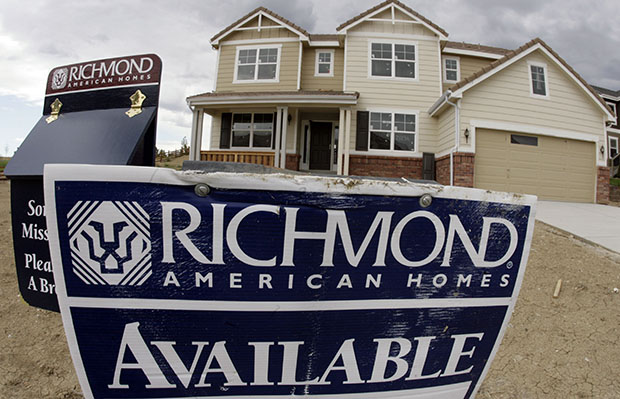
(552, 168)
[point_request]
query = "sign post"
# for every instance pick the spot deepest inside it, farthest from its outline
(270, 286)
(97, 112)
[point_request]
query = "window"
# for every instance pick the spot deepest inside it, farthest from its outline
(257, 64)
(613, 147)
(252, 130)
(538, 79)
(324, 63)
(613, 108)
(393, 60)
(392, 131)
(451, 71)
(523, 140)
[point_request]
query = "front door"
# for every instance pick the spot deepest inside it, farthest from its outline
(320, 143)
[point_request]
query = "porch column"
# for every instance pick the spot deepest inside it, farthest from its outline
(196, 134)
(276, 155)
(284, 111)
(347, 139)
(341, 142)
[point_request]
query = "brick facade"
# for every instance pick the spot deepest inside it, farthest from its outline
(602, 185)
(292, 161)
(381, 166)
(463, 169)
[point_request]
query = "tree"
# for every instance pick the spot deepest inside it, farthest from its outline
(184, 146)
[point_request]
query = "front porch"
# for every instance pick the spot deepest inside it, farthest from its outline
(296, 130)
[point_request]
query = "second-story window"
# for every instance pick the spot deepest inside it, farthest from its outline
(393, 60)
(613, 108)
(324, 63)
(451, 69)
(538, 80)
(259, 64)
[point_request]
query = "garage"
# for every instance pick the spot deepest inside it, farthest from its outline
(555, 169)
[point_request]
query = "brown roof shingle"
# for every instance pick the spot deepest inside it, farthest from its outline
(477, 47)
(266, 11)
(398, 3)
(510, 55)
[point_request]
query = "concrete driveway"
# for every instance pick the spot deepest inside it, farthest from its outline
(599, 224)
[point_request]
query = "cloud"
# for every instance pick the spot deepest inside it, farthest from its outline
(42, 35)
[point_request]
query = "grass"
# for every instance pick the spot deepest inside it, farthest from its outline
(3, 162)
(173, 163)
(615, 182)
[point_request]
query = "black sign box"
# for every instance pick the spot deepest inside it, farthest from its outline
(92, 127)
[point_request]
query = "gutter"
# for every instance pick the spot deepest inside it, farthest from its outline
(440, 102)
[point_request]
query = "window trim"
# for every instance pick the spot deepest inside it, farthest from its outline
(445, 70)
(251, 146)
(545, 74)
(393, 77)
(614, 109)
(512, 135)
(392, 151)
(617, 140)
(331, 64)
(257, 48)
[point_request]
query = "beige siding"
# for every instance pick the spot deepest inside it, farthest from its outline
(388, 27)
(311, 82)
(396, 94)
(216, 123)
(469, 66)
(445, 138)
(289, 61)
(505, 97)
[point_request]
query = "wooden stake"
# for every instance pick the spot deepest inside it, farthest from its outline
(558, 287)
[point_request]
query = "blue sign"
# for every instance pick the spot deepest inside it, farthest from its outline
(272, 286)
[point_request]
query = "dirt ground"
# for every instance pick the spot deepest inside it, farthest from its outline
(567, 347)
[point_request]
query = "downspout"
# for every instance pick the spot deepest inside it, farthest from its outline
(456, 134)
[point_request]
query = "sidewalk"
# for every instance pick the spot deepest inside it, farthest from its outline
(599, 224)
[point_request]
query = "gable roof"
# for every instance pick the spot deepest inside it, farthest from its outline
(513, 56)
(380, 7)
(249, 16)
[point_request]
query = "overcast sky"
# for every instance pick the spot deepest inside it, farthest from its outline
(36, 36)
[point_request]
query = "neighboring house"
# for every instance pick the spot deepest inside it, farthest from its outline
(406, 102)
(612, 98)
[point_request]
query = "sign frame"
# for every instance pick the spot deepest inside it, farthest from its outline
(332, 186)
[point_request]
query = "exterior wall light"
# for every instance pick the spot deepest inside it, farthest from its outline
(466, 133)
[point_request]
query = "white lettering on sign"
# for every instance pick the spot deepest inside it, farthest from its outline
(31, 231)
(120, 67)
(35, 209)
(389, 361)
(32, 262)
(336, 225)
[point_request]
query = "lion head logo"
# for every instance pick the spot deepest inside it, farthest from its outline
(60, 77)
(110, 242)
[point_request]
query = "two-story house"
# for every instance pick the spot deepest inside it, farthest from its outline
(389, 95)
(612, 98)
